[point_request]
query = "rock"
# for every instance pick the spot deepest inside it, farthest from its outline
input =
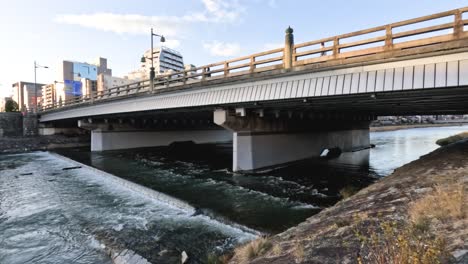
(461, 254)
(184, 257)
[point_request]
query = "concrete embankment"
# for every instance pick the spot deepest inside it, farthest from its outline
(399, 127)
(26, 144)
(420, 211)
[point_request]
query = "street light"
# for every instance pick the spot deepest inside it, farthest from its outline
(36, 66)
(143, 58)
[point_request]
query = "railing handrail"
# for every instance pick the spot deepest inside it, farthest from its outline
(267, 60)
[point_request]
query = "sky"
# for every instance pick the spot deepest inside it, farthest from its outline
(204, 31)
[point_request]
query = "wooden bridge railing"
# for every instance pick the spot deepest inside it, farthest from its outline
(444, 27)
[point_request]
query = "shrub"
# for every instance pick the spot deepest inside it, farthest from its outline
(11, 106)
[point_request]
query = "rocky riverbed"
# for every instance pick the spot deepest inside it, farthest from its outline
(25, 144)
(420, 212)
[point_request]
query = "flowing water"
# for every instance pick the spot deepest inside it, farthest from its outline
(50, 215)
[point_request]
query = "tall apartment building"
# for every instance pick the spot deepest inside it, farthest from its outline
(25, 95)
(165, 59)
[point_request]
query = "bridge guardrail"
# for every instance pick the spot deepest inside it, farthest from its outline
(361, 44)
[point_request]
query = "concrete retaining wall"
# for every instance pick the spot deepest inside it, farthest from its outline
(30, 125)
(11, 124)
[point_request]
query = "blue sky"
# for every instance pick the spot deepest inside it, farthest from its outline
(204, 31)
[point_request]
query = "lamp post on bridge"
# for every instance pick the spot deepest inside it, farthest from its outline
(36, 66)
(143, 59)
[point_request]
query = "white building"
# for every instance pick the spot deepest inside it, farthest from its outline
(105, 82)
(165, 59)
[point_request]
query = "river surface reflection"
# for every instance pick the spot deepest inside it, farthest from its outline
(48, 215)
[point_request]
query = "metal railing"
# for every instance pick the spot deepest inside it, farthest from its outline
(387, 39)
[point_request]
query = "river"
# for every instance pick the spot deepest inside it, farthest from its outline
(51, 215)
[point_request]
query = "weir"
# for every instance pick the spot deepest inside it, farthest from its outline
(137, 188)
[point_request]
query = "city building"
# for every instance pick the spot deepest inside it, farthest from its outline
(25, 95)
(49, 94)
(165, 60)
(105, 81)
(75, 79)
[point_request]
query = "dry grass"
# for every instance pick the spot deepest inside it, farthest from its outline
(390, 243)
(445, 202)
(253, 249)
(277, 250)
(416, 241)
(348, 191)
(299, 253)
(215, 259)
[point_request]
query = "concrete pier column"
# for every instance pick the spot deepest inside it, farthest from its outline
(262, 142)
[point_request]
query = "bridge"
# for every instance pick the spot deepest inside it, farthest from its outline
(289, 103)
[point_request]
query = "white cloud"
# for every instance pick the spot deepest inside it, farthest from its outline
(222, 10)
(215, 11)
(117, 23)
(217, 48)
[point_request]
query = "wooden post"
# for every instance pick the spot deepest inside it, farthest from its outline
(185, 77)
(458, 24)
(203, 74)
(226, 70)
(388, 37)
(336, 50)
(288, 48)
(252, 64)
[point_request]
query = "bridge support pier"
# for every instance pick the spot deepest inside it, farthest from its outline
(263, 142)
(102, 140)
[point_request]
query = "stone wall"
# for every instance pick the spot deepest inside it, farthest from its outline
(11, 124)
(30, 125)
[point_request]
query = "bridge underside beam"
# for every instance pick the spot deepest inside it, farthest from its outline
(264, 142)
(102, 140)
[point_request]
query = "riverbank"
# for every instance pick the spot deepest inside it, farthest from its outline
(423, 199)
(26, 144)
(399, 127)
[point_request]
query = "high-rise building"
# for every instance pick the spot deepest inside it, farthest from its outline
(165, 59)
(75, 79)
(26, 95)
